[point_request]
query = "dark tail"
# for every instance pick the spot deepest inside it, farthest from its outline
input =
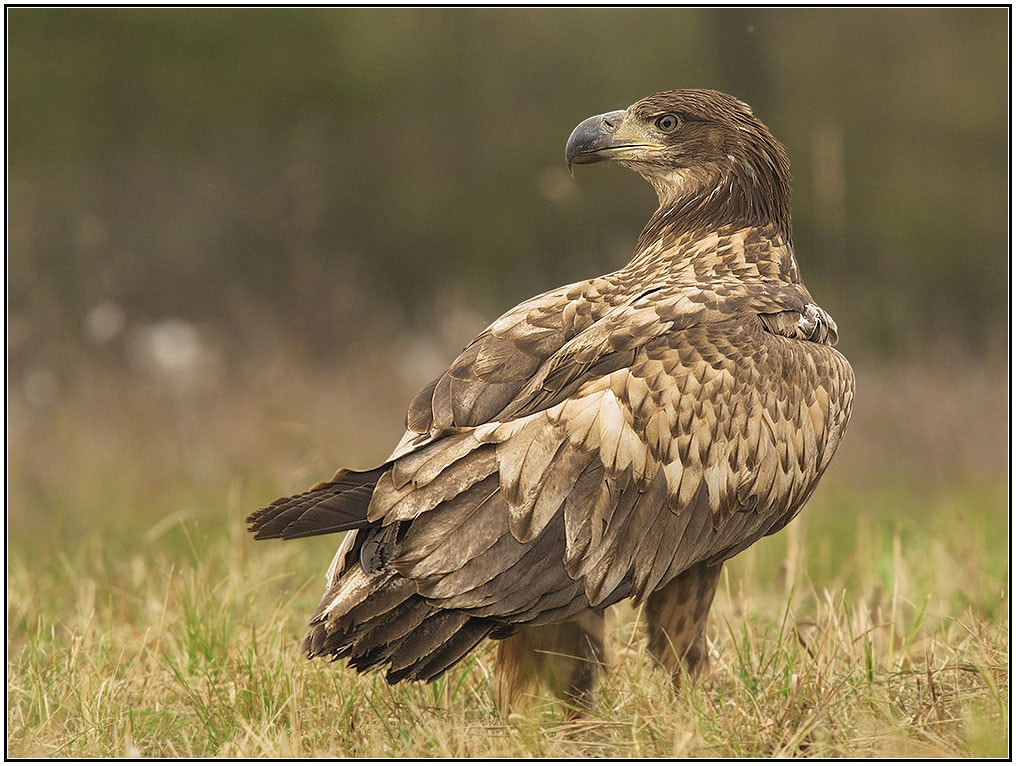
(333, 506)
(379, 619)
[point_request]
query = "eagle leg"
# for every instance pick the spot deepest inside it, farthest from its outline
(675, 617)
(566, 657)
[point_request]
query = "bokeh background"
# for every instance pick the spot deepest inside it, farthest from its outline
(240, 240)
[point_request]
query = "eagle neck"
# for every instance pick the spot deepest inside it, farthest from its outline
(703, 254)
(753, 190)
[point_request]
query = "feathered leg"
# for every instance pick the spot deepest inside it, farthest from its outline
(675, 618)
(565, 656)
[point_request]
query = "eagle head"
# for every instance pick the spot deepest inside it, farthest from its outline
(697, 148)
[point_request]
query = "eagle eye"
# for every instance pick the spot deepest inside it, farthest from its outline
(668, 123)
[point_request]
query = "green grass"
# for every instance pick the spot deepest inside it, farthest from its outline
(114, 655)
(143, 622)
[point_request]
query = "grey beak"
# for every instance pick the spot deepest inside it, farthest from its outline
(591, 138)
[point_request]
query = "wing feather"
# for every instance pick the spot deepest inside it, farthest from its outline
(482, 527)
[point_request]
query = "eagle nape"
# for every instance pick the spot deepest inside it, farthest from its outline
(617, 438)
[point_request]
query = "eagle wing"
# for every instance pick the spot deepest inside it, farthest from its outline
(653, 452)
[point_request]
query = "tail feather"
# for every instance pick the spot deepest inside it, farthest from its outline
(379, 604)
(390, 629)
(427, 638)
(395, 627)
(333, 506)
(444, 656)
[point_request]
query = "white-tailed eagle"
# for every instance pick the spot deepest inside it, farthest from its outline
(615, 438)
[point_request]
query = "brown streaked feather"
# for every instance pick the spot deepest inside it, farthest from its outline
(587, 502)
(386, 630)
(439, 578)
(454, 648)
(500, 596)
(431, 634)
(415, 498)
(467, 519)
(485, 524)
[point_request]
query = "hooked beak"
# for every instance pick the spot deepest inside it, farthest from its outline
(593, 139)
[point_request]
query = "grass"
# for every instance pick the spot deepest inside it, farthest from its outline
(141, 622)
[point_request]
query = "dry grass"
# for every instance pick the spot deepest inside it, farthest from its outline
(142, 622)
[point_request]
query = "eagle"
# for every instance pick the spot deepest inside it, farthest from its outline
(616, 438)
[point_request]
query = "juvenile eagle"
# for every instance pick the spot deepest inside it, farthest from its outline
(615, 438)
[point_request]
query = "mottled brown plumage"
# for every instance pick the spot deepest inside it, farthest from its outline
(614, 438)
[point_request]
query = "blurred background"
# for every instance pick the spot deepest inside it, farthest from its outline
(239, 241)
